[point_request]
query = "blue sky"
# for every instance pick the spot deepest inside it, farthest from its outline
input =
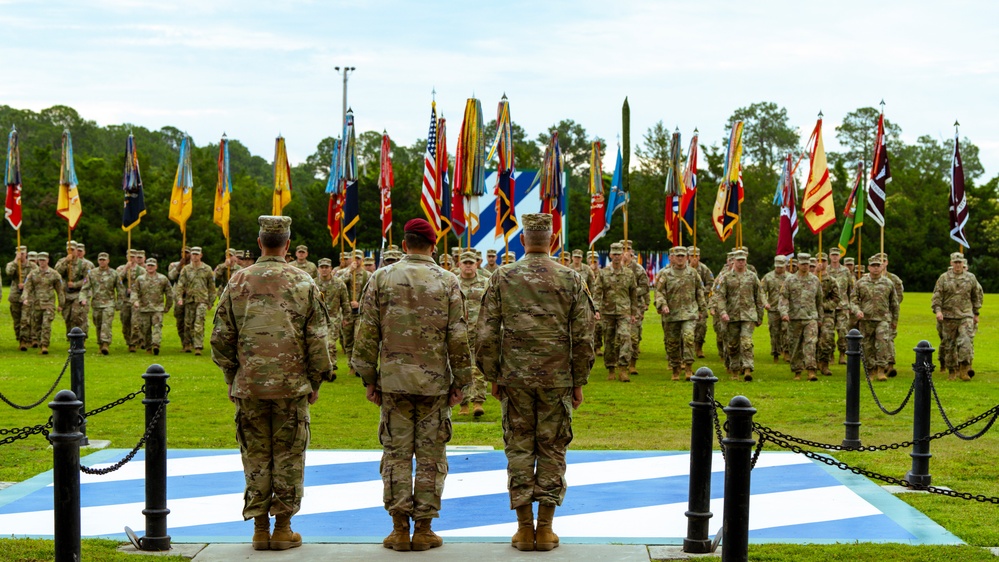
(255, 69)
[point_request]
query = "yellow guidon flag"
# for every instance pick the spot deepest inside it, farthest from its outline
(223, 189)
(282, 178)
(68, 205)
(183, 187)
(817, 204)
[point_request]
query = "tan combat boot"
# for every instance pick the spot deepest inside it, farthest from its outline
(631, 368)
(811, 374)
(747, 375)
(464, 410)
(398, 539)
(131, 349)
(787, 356)
(261, 532)
(545, 538)
(24, 346)
(676, 373)
(963, 372)
(283, 537)
(44, 350)
(611, 375)
(423, 537)
(952, 374)
(842, 358)
(797, 375)
(524, 538)
(776, 358)
(824, 368)
(622, 374)
(882, 376)
(104, 349)
(699, 351)
(735, 375)
(477, 409)
(687, 373)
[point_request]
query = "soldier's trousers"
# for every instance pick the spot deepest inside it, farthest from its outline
(892, 334)
(272, 437)
(127, 330)
(103, 319)
(182, 333)
(194, 322)
(957, 341)
(700, 331)
(778, 333)
(414, 426)
(679, 341)
(148, 328)
(41, 324)
(29, 328)
(740, 345)
(826, 348)
(477, 392)
(636, 334)
(877, 339)
(802, 336)
(617, 340)
(348, 335)
(75, 314)
(598, 336)
(15, 316)
(537, 430)
(842, 328)
(720, 338)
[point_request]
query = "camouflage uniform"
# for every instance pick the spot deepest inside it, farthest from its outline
(959, 298)
(149, 293)
(680, 290)
(473, 289)
(893, 329)
(535, 344)
(270, 342)
(877, 299)
(771, 285)
(224, 272)
(585, 272)
(308, 267)
(598, 329)
(129, 278)
(615, 296)
(40, 291)
(720, 327)
(173, 274)
(701, 326)
(104, 293)
(831, 300)
(846, 282)
(740, 298)
(355, 282)
(14, 295)
(196, 287)
(642, 292)
(412, 345)
(74, 273)
(337, 304)
(801, 302)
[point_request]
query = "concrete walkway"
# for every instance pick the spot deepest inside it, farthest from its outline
(457, 552)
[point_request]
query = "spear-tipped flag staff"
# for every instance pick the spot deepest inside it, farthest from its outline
(785, 196)
(506, 216)
(854, 211)
(386, 180)
(673, 192)
(552, 190)
(688, 201)
(223, 194)
(880, 177)
(598, 211)
(131, 187)
(183, 185)
(817, 204)
(625, 161)
(726, 213)
(68, 205)
(282, 177)
(443, 182)
(334, 187)
(348, 167)
(12, 181)
(617, 197)
(958, 203)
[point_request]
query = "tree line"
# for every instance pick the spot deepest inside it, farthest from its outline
(916, 235)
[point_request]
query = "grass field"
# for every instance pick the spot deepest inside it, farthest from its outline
(649, 413)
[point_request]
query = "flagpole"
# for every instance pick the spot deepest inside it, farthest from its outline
(820, 253)
(128, 259)
(626, 219)
(20, 277)
(960, 247)
(860, 261)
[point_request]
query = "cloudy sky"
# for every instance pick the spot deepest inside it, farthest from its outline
(254, 69)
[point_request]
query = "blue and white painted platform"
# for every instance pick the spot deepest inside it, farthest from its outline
(631, 497)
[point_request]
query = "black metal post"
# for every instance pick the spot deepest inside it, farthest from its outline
(739, 444)
(920, 472)
(76, 380)
(701, 449)
(65, 438)
(156, 461)
(853, 369)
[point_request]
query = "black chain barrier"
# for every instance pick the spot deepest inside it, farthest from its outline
(118, 402)
(19, 433)
(131, 454)
(867, 375)
(7, 401)
(718, 432)
(956, 431)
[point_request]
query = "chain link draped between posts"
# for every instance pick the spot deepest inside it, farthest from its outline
(131, 454)
(761, 438)
(19, 433)
(867, 375)
(7, 401)
(956, 430)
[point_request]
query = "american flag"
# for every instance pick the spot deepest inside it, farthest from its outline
(428, 199)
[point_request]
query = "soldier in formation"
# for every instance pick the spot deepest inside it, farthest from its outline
(583, 270)
(740, 306)
(224, 270)
(17, 271)
(195, 291)
(412, 353)
(151, 298)
(335, 298)
(844, 278)
(771, 285)
(893, 329)
(957, 300)
(535, 347)
(270, 340)
(800, 306)
(707, 279)
(491, 265)
(104, 293)
(877, 311)
(354, 277)
(831, 300)
(615, 298)
(130, 273)
(680, 301)
(73, 268)
(593, 263)
(302, 261)
(173, 274)
(43, 296)
(720, 326)
(642, 292)
(473, 286)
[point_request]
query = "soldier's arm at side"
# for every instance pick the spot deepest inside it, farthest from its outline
(459, 353)
(760, 300)
(224, 340)
(634, 297)
(321, 365)
(169, 298)
(489, 333)
(367, 335)
(344, 305)
(936, 302)
(660, 299)
(977, 297)
(581, 335)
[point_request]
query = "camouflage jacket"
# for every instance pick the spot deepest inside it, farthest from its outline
(877, 299)
(11, 270)
(490, 269)
(173, 271)
(641, 285)
(682, 291)
(830, 296)
(355, 282)
(846, 282)
(151, 291)
(224, 273)
(957, 296)
(707, 278)
(585, 272)
(771, 285)
(615, 291)
(271, 332)
(196, 284)
(715, 286)
(103, 288)
(72, 275)
(897, 282)
(411, 336)
(334, 297)
(740, 297)
(801, 297)
(129, 277)
(307, 266)
(42, 287)
(473, 289)
(536, 326)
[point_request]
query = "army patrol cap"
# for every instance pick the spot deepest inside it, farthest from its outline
(325, 262)
(780, 261)
(616, 248)
(71, 244)
(467, 256)
(822, 256)
(693, 251)
(274, 224)
(813, 262)
(187, 249)
(103, 256)
(32, 255)
(739, 254)
(577, 253)
(509, 258)
(626, 244)
(835, 252)
(957, 257)
(490, 252)
(743, 248)
(874, 260)
(41, 255)
(537, 221)
(22, 248)
(232, 252)
(848, 261)
(196, 250)
(151, 261)
(301, 248)
(359, 254)
(679, 251)
(804, 257)
(140, 253)
(392, 248)
(445, 260)
(369, 261)
(80, 246)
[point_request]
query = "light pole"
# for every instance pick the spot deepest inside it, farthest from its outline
(346, 70)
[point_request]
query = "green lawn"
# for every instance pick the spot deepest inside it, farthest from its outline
(649, 413)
